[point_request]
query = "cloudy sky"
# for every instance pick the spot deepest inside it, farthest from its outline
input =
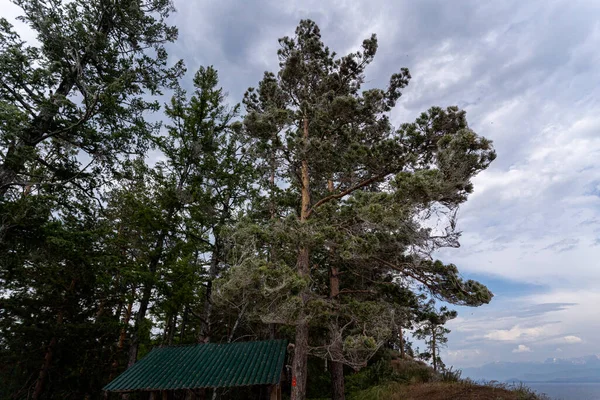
(528, 74)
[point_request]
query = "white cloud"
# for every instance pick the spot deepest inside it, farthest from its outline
(462, 354)
(522, 349)
(516, 333)
(572, 339)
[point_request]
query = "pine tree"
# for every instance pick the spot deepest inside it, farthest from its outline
(432, 330)
(206, 147)
(56, 322)
(176, 214)
(353, 190)
(81, 93)
(72, 108)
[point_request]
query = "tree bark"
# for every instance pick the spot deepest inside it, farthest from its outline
(300, 362)
(145, 300)
(122, 335)
(336, 368)
(401, 335)
(237, 323)
(39, 385)
(337, 380)
(172, 328)
(205, 327)
(433, 348)
(272, 327)
(184, 320)
(43, 375)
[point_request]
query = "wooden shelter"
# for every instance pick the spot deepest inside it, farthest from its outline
(187, 371)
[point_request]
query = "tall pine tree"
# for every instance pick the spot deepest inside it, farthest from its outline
(352, 189)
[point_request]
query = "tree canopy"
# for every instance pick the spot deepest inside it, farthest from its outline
(302, 213)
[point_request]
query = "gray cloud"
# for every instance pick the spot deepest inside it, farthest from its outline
(528, 74)
(563, 245)
(540, 309)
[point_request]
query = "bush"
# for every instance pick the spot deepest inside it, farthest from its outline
(385, 391)
(411, 371)
(449, 375)
(373, 375)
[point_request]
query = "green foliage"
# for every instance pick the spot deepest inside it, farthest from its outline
(82, 91)
(58, 288)
(372, 192)
(379, 392)
(103, 256)
(377, 373)
(412, 371)
(432, 330)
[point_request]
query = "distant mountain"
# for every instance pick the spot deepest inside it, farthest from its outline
(583, 369)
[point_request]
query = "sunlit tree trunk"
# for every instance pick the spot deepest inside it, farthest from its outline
(300, 363)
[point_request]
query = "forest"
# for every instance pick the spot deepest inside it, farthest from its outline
(140, 206)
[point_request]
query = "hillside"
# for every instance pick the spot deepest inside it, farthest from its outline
(446, 391)
(407, 379)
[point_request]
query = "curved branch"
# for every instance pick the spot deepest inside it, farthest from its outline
(347, 191)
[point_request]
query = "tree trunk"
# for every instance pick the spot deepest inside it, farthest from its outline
(122, 334)
(337, 380)
(205, 327)
(401, 335)
(43, 375)
(300, 363)
(166, 329)
(237, 323)
(39, 385)
(433, 348)
(184, 320)
(272, 327)
(139, 319)
(172, 328)
(145, 300)
(15, 158)
(336, 368)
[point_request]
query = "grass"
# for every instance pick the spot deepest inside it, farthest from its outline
(394, 378)
(464, 390)
(407, 379)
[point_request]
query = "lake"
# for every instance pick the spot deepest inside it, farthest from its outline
(568, 391)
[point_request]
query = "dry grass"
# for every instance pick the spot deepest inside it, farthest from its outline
(445, 391)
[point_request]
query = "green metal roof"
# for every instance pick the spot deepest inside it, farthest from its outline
(207, 365)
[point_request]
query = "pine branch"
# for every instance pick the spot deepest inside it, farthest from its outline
(347, 191)
(18, 97)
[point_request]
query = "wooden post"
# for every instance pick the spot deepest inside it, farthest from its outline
(190, 394)
(275, 392)
(165, 395)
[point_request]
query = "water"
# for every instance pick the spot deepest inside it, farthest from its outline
(568, 391)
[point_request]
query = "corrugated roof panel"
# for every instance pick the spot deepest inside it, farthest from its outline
(205, 366)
